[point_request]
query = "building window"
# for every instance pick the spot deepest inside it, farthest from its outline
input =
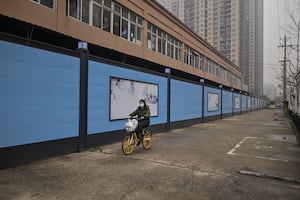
(85, 11)
(125, 26)
(97, 15)
(108, 16)
(74, 8)
(116, 24)
(136, 28)
(177, 50)
(151, 37)
(106, 20)
(224, 73)
(193, 58)
(107, 3)
(48, 3)
(139, 28)
(212, 68)
(168, 46)
(163, 43)
(132, 27)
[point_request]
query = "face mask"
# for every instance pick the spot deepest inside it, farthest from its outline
(142, 105)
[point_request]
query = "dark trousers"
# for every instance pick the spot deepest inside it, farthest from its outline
(142, 124)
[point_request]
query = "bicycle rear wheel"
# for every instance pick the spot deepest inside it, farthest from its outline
(128, 146)
(147, 141)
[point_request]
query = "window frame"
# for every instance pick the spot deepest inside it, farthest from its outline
(128, 21)
(92, 4)
(165, 43)
(193, 58)
(40, 3)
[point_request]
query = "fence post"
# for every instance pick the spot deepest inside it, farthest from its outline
(241, 104)
(168, 72)
(232, 92)
(221, 87)
(84, 54)
(246, 103)
(203, 86)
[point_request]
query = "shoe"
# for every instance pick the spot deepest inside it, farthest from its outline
(138, 143)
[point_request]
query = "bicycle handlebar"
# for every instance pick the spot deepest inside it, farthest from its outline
(135, 117)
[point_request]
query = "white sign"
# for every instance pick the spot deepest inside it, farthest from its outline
(249, 103)
(237, 103)
(212, 102)
(125, 95)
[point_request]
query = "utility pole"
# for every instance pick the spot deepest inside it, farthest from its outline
(298, 29)
(284, 70)
(298, 70)
(284, 98)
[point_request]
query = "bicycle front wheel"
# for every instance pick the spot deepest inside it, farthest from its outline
(147, 141)
(128, 145)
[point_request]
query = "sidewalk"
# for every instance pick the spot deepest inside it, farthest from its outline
(248, 156)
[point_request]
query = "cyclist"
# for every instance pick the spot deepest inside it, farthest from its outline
(143, 113)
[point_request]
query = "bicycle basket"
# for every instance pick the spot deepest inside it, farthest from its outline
(131, 125)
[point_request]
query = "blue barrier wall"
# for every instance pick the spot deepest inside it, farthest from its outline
(186, 100)
(99, 96)
(208, 90)
(39, 95)
(227, 102)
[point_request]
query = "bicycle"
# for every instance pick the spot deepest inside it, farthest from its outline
(131, 140)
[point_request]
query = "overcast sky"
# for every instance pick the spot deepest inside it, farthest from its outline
(275, 21)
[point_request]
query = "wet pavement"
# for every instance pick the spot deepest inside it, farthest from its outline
(249, 156)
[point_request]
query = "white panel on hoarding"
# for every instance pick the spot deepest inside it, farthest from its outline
(212, 102)
(125, 95)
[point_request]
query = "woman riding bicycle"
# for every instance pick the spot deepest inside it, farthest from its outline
(143, 113)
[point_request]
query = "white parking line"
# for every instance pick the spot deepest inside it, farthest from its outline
(231, 152)
(267, 158)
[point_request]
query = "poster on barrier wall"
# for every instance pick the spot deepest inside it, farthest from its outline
(212, 102)
(125, 95)
(237, 103)
(249, 103)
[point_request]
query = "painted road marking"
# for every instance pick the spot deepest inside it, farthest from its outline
(233, 150)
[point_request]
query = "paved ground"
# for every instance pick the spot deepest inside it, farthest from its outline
(249, 156)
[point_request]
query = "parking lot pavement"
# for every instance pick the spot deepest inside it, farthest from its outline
(247, 156)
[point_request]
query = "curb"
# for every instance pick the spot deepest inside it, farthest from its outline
(261, 175)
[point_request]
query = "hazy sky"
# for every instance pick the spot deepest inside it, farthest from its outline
(276, 21)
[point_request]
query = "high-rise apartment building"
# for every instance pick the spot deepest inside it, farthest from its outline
(175, 7)
(251, 47)
(234, 27)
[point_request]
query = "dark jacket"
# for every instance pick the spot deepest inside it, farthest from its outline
(142, 112)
